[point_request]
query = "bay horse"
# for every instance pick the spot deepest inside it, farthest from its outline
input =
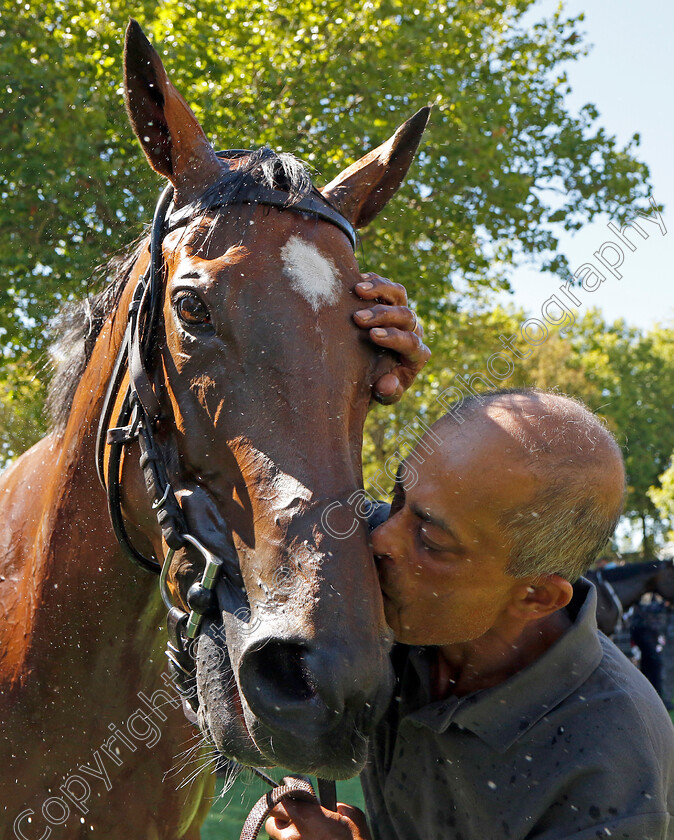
(620, 587)
(262, 383)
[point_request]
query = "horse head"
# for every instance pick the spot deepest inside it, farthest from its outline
(663, 581)
(265, 383)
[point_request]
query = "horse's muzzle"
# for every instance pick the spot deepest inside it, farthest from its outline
(307, 705)
(312, 707)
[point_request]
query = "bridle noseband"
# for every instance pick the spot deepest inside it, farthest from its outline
(140, 410)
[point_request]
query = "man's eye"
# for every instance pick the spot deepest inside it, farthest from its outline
(431, 545)
(192, 310)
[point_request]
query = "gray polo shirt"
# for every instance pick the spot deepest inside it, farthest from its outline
(577, 745)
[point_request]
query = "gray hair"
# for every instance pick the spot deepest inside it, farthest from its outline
(562, 532)
(567, 525)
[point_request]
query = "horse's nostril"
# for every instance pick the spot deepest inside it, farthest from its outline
(283, 671)
(295, 689)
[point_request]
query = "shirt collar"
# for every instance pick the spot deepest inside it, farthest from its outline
(504, 713)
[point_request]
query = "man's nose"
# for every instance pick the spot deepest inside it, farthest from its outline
(387, 538)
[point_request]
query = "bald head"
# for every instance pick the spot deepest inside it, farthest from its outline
(578, 492)
(551, 432)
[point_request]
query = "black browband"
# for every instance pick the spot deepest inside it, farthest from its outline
(253, 193)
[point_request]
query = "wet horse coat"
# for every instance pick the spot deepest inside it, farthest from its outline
(264, 385)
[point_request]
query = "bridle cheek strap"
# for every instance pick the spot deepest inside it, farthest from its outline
(140, 409)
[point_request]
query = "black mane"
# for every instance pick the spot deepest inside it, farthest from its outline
(77, 325)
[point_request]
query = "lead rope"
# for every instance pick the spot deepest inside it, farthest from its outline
(294, 787)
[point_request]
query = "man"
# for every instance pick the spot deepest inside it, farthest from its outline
(513, 718)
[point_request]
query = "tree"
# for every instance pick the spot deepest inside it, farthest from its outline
(22, 421)
(627, 377)
(661, 493)
(634, 375)
(502, 163)
(662, 496)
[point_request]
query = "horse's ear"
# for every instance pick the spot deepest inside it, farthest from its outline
(363, 189)
(172, 139)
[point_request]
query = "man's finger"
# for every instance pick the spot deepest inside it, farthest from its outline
(373, 287)
(295, 820)
(387, 389)
(407, 344)
(278, 824)
(279, 812)
(386, 315)
(356, 816)
(279, 829)
(387, 386)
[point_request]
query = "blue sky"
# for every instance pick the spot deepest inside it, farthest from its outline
(628, 76)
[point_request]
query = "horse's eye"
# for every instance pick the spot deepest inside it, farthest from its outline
(191, 309)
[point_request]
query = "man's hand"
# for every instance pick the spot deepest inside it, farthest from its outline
(394, 326)
(295, 820)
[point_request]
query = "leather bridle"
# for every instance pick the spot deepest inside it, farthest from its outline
(140, 408)
(140, 411)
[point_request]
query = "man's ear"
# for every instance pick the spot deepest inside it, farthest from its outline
(172, 139)
(363, 189)
(541, 597)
